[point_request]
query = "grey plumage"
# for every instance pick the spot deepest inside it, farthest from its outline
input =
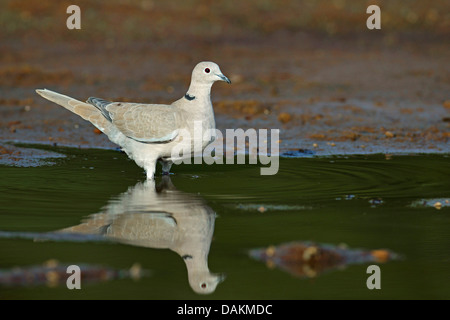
(149, 132)
(160, 217)
(100, 104)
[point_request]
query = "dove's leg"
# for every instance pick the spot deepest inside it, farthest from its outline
(150, 166)
(166, 165)
(150, 174)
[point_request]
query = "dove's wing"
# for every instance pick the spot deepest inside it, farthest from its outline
(148, 123)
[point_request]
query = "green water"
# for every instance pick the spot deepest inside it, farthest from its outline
(326, 200)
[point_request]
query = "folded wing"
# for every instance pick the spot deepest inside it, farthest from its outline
(147, 123)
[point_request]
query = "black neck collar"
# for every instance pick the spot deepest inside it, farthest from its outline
(187, 96)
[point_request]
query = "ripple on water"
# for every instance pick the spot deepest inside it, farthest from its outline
(324, 178)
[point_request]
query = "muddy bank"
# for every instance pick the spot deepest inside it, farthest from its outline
(347, 91)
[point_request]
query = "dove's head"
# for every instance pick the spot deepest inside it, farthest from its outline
(207, 72)
(205, 282)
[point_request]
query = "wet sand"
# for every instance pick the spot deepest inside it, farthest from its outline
(342, 93)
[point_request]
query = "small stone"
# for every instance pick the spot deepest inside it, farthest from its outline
(309, 272)
(380, 255)
(52, 263)
(136, 271)
(270, 251)
(309, 252)
(52, 278)
(446, 104)
(437, 205)
(270, 264)
(284, 117)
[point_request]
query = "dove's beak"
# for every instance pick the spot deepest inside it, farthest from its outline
(221, 277)
(223, 78)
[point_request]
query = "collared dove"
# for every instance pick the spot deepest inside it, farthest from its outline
(149, 132)
(160, 217)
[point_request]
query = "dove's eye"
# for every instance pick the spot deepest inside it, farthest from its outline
(203, 285)
(207, 70)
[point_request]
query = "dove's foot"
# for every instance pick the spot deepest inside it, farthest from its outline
(166, 165)
(150, 174)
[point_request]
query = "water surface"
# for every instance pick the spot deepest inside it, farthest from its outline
(218, 213)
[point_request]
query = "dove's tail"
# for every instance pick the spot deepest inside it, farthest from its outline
(86, 111)
(97, 225)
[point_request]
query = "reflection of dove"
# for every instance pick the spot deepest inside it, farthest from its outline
(149, 132)
(161, 217)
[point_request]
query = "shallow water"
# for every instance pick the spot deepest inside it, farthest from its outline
(368, 202)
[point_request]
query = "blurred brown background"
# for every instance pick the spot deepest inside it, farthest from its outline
(310, 68)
